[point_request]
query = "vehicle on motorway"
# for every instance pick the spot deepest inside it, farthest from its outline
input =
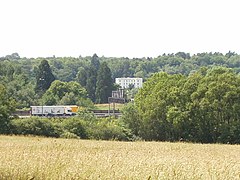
(53, 110)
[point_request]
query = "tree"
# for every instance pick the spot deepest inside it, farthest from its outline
(229, 54)
(92, 77)
(130, 118)
(183, 55)
(66, 93)
(13, 56)
(7, 106)
(203, 107)
(159, 94)
(82, 77)
(91, 83)
(95, 61)
(22, 91)
(216, 107)
(44, 77)
(104, 85)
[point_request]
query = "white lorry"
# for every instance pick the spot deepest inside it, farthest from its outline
(51, 111)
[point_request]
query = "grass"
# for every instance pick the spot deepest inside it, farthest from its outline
(49, 158)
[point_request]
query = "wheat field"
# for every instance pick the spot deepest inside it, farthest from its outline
(49, 158)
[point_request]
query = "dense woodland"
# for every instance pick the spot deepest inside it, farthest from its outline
(189, 97)
(19, 75)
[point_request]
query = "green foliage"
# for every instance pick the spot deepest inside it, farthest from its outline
(104, 128)
(82, 77)
(34, 126)
(203, 107)
(104, 84)
(130, 118)
(17, 84)
(130, 93)
(86, 103)
(74, 126)
(199, 105)
(87, 115)
(66, 93)
(109, 129)
(69, 135)
(160, 93)
(19, 74)
(85, 127)
(13, 56)
(44, 77)
(7, 106)
(92, 77)
(95, 62)
(66, 128)
(91, 83)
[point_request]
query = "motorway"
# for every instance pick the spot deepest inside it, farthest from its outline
(97, 113)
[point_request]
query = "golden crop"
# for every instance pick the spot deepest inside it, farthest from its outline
(49, 158)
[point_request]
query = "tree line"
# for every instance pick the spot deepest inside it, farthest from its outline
(201, 107)
(38, 84)
(193, 98)
(18, 74)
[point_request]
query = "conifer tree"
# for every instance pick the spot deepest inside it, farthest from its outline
(104, 85)
(92, 77)
(44, 77)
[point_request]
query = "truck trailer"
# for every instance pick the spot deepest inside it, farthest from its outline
(52, 111)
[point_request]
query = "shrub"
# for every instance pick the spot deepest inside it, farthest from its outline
(69, 135)
(109, 129)
(86, 115)
(75, 126)
(35, 126)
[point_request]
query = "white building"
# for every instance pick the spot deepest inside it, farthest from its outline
(126, 82)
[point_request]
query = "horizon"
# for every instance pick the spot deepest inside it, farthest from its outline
(54, 56)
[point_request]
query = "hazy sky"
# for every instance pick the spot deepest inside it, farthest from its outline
(118, 28)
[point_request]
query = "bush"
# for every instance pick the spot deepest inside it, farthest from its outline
(35, 126)
(75, 126)
(109, 129)
(69, 135)
(86, 115)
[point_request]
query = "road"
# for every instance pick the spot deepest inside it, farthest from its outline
(97, 113)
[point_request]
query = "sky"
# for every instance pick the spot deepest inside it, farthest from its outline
(118, 28)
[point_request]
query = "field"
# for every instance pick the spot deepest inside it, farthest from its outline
(48, 158)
